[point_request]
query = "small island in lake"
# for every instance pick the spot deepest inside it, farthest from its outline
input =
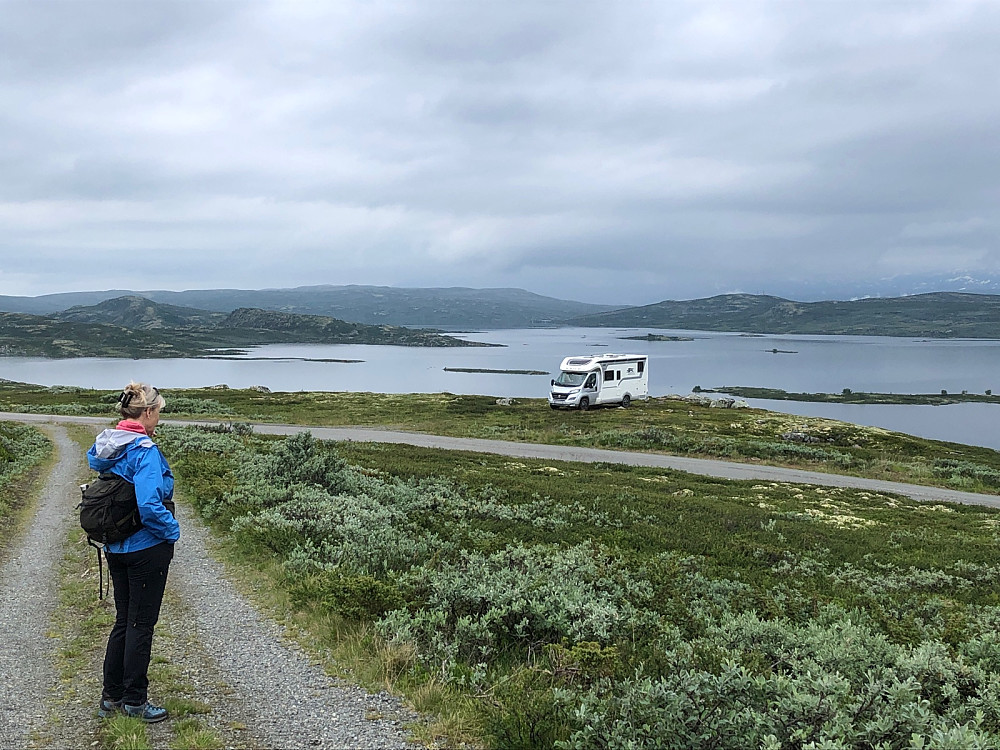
(655, 337)
(847, 396)
(488, 371)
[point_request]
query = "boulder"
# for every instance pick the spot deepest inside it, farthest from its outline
(694, 398)
(729, 403)
(800, 437)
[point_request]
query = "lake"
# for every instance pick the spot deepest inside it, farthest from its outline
(818, 364)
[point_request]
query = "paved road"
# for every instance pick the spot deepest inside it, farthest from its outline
(702, 466)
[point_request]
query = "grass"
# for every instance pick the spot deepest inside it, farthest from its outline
(124, 733)
(664, 425)
(191, 735)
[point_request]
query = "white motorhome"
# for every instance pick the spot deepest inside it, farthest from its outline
(594, 379)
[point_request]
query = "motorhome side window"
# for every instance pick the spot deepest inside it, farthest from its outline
(642, 366)
(591, 381)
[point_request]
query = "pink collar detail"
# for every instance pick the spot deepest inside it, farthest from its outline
(130, 425)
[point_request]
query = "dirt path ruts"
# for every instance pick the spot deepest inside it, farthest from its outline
(28, 594)
(277, 691)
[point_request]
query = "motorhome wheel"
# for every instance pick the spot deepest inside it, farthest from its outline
(626, 400)
(584, 403)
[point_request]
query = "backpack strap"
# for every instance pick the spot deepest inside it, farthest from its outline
(100, 570)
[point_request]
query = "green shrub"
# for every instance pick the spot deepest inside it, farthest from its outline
(21, 448)
(516, 600)
(656, 438)
(525, 709)
(352, 597)
(959, 470)
(188, 405)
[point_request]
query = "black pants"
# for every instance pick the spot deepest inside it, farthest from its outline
(139, 579)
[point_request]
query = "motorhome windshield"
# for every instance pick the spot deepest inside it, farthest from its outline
(570, 378)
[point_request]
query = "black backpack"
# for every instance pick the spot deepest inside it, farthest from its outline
(109, 512)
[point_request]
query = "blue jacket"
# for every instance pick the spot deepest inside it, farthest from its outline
(137, 458)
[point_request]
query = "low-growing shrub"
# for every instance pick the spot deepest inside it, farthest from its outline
(656, 438)
(519, 599)
(188, 405)
(959, 470)
(634, 614)
(525, 709)
(21, 448)
(358, 597)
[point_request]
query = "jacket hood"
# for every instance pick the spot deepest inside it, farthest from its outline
(111, 445)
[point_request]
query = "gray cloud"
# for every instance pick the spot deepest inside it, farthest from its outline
(612, 152)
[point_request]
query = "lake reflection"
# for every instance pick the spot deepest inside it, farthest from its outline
(818, 364)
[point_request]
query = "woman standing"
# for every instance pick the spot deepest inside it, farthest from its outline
(138, 564)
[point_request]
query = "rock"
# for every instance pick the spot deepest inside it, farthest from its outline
(799, 437)
(259, 388)
(694, 398)
(219, 387)
(505, 402)
(729, 403)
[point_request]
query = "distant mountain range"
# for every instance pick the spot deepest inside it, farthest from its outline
(136, 327)
(240, 318)
(937, 315)
(447, 308)
(818, 288)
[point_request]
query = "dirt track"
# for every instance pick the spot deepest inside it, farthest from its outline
(28, 593)
(263, 691)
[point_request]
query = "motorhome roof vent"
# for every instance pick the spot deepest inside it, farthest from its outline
(578, 362)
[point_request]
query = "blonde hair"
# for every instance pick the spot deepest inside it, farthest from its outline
(137, 397)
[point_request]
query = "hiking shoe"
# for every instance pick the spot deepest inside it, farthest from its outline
(147, 712)
(108, 708)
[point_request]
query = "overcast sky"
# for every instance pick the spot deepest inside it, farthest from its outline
(618, 152)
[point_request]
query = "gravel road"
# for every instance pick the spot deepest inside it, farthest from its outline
(286, 700)
(240, 663)
(701, 466)
(28, 585)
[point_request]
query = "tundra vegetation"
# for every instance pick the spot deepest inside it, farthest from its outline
(21, 449)
(660, 424)
(540, 604)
